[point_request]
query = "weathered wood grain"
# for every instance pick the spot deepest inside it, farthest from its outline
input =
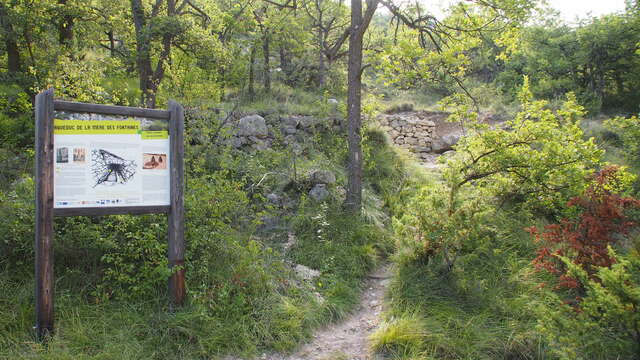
(111, 109)
(44, 213)
(176, 214)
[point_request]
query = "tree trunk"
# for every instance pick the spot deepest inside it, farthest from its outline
(143, 55)
(65, 26)
(252, 64)
(112, 43)
(353, 201)
(148, 78)
(284, 63)
(322, 67)
(14, 63)
(265, 53)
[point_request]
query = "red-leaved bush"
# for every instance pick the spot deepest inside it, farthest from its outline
(603, 218)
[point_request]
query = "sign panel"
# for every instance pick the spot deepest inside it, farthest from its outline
(110, 160)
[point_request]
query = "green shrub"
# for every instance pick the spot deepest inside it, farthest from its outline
(539, 158)
(607, 322)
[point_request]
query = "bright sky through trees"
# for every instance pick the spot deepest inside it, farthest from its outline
(569, 9)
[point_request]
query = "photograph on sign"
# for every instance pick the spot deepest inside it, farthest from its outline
(110, 160)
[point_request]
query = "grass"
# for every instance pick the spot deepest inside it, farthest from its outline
(244, 299)
(479, 310)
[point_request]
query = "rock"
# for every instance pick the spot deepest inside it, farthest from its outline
(319, 192)
(261, 145)
(270, 223)
(445, 143)
(274, 198)
(252, 125)
(322, 177)
(306, 273)
(237, 142)
(289, 140)
(332, 101)
(289, 130)
(411, 141)
(290, 121)
(307, 122)
(292, 240)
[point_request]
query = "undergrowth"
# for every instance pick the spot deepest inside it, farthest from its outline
(244, 294)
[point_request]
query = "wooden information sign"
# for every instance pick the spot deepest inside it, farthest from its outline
(94, 160)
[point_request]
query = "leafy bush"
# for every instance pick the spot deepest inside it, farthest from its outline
(434, 229)
(602, 218)
(629, 130)
(607, 322)
(539, 158)
(592, 311)
(125, 255)
(16, 117)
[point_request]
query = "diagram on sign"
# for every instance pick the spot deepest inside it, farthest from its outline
(110, 169)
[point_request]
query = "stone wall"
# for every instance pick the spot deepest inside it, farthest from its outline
(413, 131)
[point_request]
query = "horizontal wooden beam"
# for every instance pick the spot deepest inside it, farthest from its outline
(112, 210)
(110, 109)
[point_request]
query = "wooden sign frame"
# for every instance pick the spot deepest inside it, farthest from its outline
(45, 105)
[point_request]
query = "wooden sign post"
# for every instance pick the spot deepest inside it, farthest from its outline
(94, 160)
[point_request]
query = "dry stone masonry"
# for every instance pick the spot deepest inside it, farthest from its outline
(413, 131)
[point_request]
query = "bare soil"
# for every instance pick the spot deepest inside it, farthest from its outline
(348, 339)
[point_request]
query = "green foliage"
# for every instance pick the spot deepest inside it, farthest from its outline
(606, 326)
(16, 118)
(539, 158)
(399, 335)
(596, 60)
(628, 129)
(343, 248)
(434, 230)
(476, 311)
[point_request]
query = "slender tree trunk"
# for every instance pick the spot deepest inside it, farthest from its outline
(143, 55)
(353, 200)
(322, 67)
(14, 63)
(265, 53)
(65, 26)
(112, 43)
(284, 63)
(252, 65)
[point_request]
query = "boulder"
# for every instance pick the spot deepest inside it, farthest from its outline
(261, 145)
(322, 177)
(319, 192)
(253, 125)
(305, 272)
(274, 198)
(270, 223)
(289, 122)
(237, 142)
(307, 122)
(444, 143)
(289, 130)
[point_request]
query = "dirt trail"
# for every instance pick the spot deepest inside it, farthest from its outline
(349, 339)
